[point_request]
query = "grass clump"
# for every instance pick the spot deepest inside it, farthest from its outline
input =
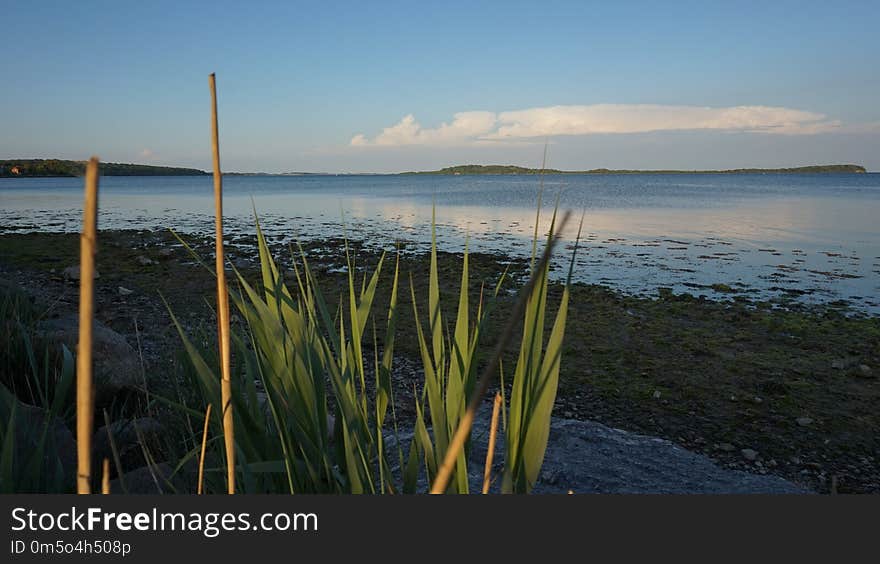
(34, 392)
(311, 386)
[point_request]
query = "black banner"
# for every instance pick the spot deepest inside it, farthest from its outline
(44, 528)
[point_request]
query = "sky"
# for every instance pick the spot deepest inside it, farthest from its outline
(396, 86)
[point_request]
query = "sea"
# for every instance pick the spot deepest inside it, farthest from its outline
(811, 238)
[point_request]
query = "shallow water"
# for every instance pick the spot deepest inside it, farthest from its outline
(813, 237)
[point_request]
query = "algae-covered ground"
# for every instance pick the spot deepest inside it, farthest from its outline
(770, 387)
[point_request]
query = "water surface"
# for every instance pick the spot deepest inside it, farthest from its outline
(813, 236)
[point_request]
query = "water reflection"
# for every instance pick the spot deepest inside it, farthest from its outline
(813, 236)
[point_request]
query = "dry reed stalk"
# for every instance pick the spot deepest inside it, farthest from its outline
(85, 393)
(490, 453)
(120, 475)
(202, 455)
(105, 477)
(222, 298)
(441, 481)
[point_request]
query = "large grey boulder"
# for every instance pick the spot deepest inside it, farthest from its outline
(36, 429)
(154, 479)
(589, 457)
(130, 437)
(116, 364)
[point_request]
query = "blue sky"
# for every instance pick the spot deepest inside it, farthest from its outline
(368, 87)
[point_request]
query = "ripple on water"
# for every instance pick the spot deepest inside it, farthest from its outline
(637, 249)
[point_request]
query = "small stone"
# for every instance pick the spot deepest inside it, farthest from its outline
(72, 273)
(567, 414)
(758, 400)
(550, 476)
(838, 364)
(123, 291)
(865, 371)
(144, 261)
(726, 447)
(166, 252)
(749, 454)
(804, 421)
(772, 463)
(732, 398)
(657, 394)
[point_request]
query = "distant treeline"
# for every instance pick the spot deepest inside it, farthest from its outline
(56, 167)
(510, 169)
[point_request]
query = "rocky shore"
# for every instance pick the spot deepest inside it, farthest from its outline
(745, 395)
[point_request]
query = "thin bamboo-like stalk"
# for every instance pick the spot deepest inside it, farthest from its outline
(85, 394)
(120, 475)
(222, 298)
(202, 455)
(105, 477)
(490, 453)
(441, 481)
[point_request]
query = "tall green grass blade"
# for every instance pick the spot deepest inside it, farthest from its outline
(535, 383)
(7, 454)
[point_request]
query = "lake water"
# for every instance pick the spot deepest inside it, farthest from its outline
(812, 236)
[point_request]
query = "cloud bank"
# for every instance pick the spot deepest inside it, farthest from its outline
(482, 127)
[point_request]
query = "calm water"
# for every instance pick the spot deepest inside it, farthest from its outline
(763, 234)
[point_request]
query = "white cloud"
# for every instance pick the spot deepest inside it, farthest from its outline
(147, 154)
(359, 140)
(468, 128)
(465, 127)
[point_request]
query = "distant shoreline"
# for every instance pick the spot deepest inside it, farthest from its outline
(56, 168)
(473, 170)
(515, 170)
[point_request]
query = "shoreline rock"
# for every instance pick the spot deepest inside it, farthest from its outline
(589, 457)
(116, 363)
